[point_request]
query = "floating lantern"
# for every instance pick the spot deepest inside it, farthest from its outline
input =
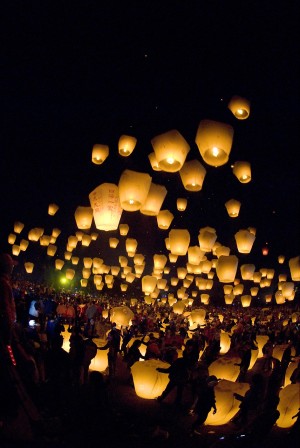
(99, 154)
(83, 217)
(281, 259)
(35, 233)
(52, 209)
(18, 227)
(233, 208)
(159, 261)
(23, 245)
(59, 264)
(12, 238)
(56, 232)
(113, 242)
(226, 268)
(51, 250)
(294, 265)
(148, 284)
(164, 219)
(15, 249)
(154, 162)
(121, 315)
(29, 267)
(214, 141)
(179, 241)
(131, 245)
(238, 289)
(154, 200)
(178, 307)
(106, 206)
(247, 271)
(197, 317)
(86, 240)
(45, 240)
(240, 107)
(207, 238)
(222, 250)
(123, 229)
(246, 300)
(242, 171)
(195, 255)
(244, 241)
(148, 382)
(84, 282)
(170, 150)
(192, 175)
(181, 204)
(133, 189)
(126, 145)
(70, 273)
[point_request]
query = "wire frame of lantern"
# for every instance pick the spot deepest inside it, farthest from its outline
(244, 241)
(192, 175)
(240, 107)
(18, 227)
(106, 206)
(226, 268)
(154, 162)
(23, 245)
(247, 271)
(294, 265)
(83, 217)
(214, 141)
(154, 200)
(99, 153)
(29, 267)
(126, 145)
(179, 241)
(170, 150)
(242, 171)
(164, 219)
(233, 208)
(133, 189)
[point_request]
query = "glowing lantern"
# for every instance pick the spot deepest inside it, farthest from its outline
(15, 249)
(56, 232)
(170, 150)
(70, 273)
(83, 217)
(99, 154)
(192, 175)
(229, 298)
(238, 289)
(106, 206)
(197, 317)
(179, 241)
(207, 238)
(123, 229)
(124, 287)
(148, 382)
(113, 242)
(23, 245)
(227, 289)
(133, 189)
(148, 284)
(247, 271)
(159, 260)
(214, 141)
(86, 273)
(84, 282)
(226, 268)
(242, 171)
(178, 307)
(97, 262)
(222, 250)
(18, 227)
(164, 219)
(294, 265)
(153, 161)
(121, 315)
(115, 270)
(52, 209)
(233, 208)
(12, 238)
(240, 107)
(131, 245)
(161, 283)
(154, 200)
(287, 289)
(100, 362)
(59, 264)
(51, 250)
(181, 204)
(29, 267)
(181, 273)
(226, 405)
(86, 240)
(97, 279)
(254, 291)
(204, 299)
(205, 266)
(244, 241)
(246, 300)
(224, 367)
(289, 403)
(35, 234)
(126, 145)
(225, 342)
(195, 255)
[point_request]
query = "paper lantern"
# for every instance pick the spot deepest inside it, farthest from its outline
(148, 284)
(29, 267)
(159, 261)
(289, 404)
(224, 367)
(51, 250)
(178, 307)
(83, 217)
(99, 154)
(204, 299)
(12, 238)
(35, 233)
(207, 238)
(154, 200)
(106, 206)
(238, 289)
(244, 241)
(126, 145)
(121, 315)
(148, 382)
(70, 273)
(214, 141)
(195, 255)
(242, 171)
(123, 229)
(52, 209)
(84, 282)
(246, 300)
(164, 219)
(15, 250)
(222, 250)
(226, 268)
(59, 264)
(225, 342)
(170, 150)
(227, 405)
(23, 245)
(154, 162)
(100, 362)
(56, 232)
(294, 265)
(115, 270)
(133, 189)
(288, 289)
(86, 240)
(181, 204)
(192, 175)
(229, 298)
(233, 208)
(131, 245)
(18, 227)
(240, 107)
(197, 317)
(179, 241)
(113, 242)
(254, 291)
(247, 271)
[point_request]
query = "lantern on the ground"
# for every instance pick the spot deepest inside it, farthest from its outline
(225, 367)
(100, 361)
(240, 107)
(126, 145)
(289, 404)
(99, 154)
(242, 171)
(133, 189)
(106, 206)
(170, 150)
(148, 382)
(192, 175)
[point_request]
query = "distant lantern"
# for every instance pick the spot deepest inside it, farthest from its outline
(12, 238)
(179, 307)
(233, 208)
(214, 141)
(161, 283)
(148, 284)
(254, 291)
(173, 257)
(35, 233)
(51, 250)
(226, 268)
(287, 289)
(123, 261)
(207, 238)
(133, 189)
(181, 204)
(113, 242)
(131, 245)
(164, 219)
(154, 200)
(99, 154)
(154, 162)
(94, 236)
(179, 241)
(227, 289)
(238, 289)
(106, 206)
(222, 250)
(126, 145)
(242, 171)
(247, 271)
(29, 267)
(87, 262)
(240, 107)
(244, 241)
(246, 300)
(281, 259)
(204, 298)
(86, 240)
(115, 270)
(83, 217)
(229, 298)
(294, 265)
(123, 229)
(170, 150)
(181, 272)
(159, 261)
(84, 282)
(123, 287)
(86, 273)
(195, 255)
(59, 264)
(138, 259)
(148, 382)
(192, 175)
(18, 227)
(45, 240)
(70, 273)
(74, 260)
(52, 209)
(56, 232)
(23, 245)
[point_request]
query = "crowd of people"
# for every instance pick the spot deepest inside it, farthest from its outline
(41, 380)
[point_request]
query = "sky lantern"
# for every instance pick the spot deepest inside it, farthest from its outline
(45, 240)
(123, 229)
(207, 238)
(52, 209)
(178, 307)
(222, 250)
(51, 250)
(23, 245)
(159, 261)
(126, 145)
(281, 259)
(113, 242)
(197, 317)
(148, 382)
(100, 362)
(233, 208)
(84, 282)
(242, 171)
(214, 141)
(12, 238)
(56, 232)
(226, 268)
(59, 264)
(35, 233)
(224, 367)
(134, 187)
(121, 315)
(192, 175)
(99, 154)
(83, 217)
(247, 271)
(153, 161)
(246, 300)
(179, 241)
(244, 241)
(171, 150)
(195, 255)
(181, 204)
(86, 240)
(106, 206)
(225, 342)
(131, 245)
(29, 267)
(240, 107)
(18, 227)
(154, 200)
(294, 265)
(70, 273)
(164, 219)
(148, 284)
